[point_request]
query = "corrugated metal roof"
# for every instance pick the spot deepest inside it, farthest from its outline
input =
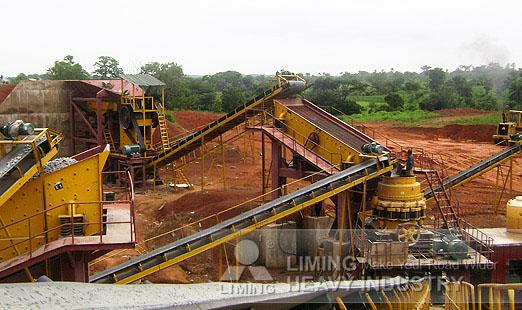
(142, 79)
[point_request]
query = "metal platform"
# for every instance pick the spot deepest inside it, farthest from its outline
(309, 156)
(119, 235)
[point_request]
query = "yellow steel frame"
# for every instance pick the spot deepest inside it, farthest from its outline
(40, 161)
(459, 296)
(485, 170)
(144, 120)
(257, 225)
(300, 128)
(80, 182)
(411, 297)
(279, 80)
(495, 289)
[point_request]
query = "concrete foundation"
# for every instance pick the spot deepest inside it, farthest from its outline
(277, 245)
(315, 232)
(331, 248)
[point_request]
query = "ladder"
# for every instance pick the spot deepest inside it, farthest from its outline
(165, 144)
(176, 175)
(108, 139)
(442, 199)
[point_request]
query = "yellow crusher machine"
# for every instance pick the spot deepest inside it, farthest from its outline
(51, 209)
(317, 139)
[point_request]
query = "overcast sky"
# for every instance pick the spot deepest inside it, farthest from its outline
(261, 36)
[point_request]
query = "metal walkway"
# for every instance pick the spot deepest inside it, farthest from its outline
(478, 169)
(286, 87)
(244, 223)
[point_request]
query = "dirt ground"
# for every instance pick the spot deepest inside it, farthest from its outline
(5, 90)
(168, 209)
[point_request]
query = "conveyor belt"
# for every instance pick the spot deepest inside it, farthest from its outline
(327, 122)
(274, 210)
(19, 164)
(478, 169)
(193, 141)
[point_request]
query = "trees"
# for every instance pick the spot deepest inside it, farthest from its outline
(394, 100)
(66, 69)
(412, 85)
(514, 93)
(231, 98)
(107, 67)
(436, 78)
(20, 77)
(176, 90)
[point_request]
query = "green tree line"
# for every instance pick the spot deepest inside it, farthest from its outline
(488, 87)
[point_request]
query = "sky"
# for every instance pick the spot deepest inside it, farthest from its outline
(261, 37)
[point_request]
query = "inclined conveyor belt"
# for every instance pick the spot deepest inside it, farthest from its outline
(478, 169)
(212, 235)
(18, 161)
(185, 145)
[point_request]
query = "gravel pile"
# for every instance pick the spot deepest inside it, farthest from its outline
(56, 164)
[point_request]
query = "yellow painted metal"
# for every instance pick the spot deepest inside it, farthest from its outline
(513, 125)
(105, 106)
(494, 300)
(279, 81)
(340, 303)
(492, 166)
(514, 215)
(399, 200)
(38, 167)
(414, 296)
(80, 182)
(258, 224)
(330, 148)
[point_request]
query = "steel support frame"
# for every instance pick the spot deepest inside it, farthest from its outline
(97, 133)
(503, 184)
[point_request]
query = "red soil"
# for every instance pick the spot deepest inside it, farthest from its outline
(5, 90)
(456, 132)
(194, 119)
(243, 181)
(466, 112)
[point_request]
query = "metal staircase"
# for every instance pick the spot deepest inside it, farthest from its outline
(108, 139)
(476, 170)
(442, 199)
(162, 120)
(176, 175)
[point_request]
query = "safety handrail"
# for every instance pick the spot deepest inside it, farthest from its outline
(294, 141)
(30, 237)
(216, 215)
(495, 301)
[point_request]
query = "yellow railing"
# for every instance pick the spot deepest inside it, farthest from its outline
(459, 296)
(218, 217)
(495, 300)
(413, 296)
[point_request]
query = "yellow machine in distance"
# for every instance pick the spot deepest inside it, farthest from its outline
(511, 125)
